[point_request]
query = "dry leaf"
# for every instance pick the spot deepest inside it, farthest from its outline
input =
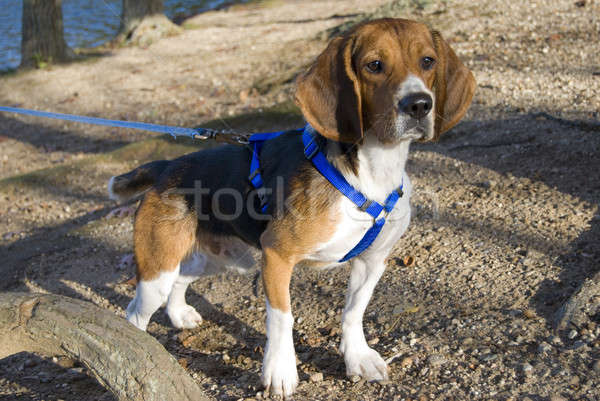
(408, 261)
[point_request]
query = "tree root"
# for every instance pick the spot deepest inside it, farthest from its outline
(127, 361)
(581, 304)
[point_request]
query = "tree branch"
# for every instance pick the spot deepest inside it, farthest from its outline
(127, 361)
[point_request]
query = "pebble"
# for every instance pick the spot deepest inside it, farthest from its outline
(355, 378)
(489, 357)
(318, 377)
(544, 347)
(334, 331)
(66, 362)
(555, 340)
(436, 360)
(44, 377)
(373, 341)
(596, 366)
(406, 362)
(544, 372)
(574, 381)
(572, 334)
(527, 369)
(29, 363)
(557, 398)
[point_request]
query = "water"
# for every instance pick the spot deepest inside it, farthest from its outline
(87, 23)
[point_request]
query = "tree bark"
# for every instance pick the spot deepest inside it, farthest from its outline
(576, 309)
(42, 33)
(127, 361)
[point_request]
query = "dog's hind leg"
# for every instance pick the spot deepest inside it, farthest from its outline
(164, 235)
(182, 315)
(149, 296)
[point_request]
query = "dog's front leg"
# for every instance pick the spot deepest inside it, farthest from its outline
(359, 357)
(279, 373)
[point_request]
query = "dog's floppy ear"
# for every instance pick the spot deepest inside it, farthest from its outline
(454, 87)
(328, 93)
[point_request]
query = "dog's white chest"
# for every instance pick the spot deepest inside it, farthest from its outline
(354, 223)
(380, 171)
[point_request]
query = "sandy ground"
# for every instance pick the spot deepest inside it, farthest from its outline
(506, 221)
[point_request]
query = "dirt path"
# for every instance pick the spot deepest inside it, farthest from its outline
(506, 222)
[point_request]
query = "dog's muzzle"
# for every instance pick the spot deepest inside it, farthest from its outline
(416, 105)
(414, 112)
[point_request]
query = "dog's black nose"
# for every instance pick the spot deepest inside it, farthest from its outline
(416, 105)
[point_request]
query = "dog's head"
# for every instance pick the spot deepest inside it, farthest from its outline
(392, 78)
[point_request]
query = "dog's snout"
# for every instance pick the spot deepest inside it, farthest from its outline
(416, 105)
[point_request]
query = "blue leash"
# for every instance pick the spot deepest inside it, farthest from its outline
(196, 133)
(311, 151)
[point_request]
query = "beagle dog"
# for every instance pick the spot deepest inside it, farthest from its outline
(369, 94)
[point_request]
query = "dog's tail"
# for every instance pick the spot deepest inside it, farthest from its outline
(135, 183)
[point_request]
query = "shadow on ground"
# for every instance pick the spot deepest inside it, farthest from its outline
(63, 379)
(563, 154)
(47, 139)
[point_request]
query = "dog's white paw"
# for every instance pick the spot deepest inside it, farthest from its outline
(366, 362)
(134, 317)
(279, 375)
(184, 317)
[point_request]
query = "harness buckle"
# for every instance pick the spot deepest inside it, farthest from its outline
(366, 205)
(383, 214)
(253, 174)
(310, 153)
(241, 139)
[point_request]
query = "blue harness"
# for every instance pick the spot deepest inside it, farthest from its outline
(318, 159)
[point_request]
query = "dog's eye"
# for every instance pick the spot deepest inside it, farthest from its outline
(375, 67)
(427, 63)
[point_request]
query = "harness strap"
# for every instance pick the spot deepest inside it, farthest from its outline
(366, 240)
(374, 209)
(255, 177)
(314, 154)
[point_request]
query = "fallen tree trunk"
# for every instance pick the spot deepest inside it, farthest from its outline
(127, 361)
(579, 305)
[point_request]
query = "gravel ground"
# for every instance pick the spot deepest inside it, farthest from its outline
(505, 229)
